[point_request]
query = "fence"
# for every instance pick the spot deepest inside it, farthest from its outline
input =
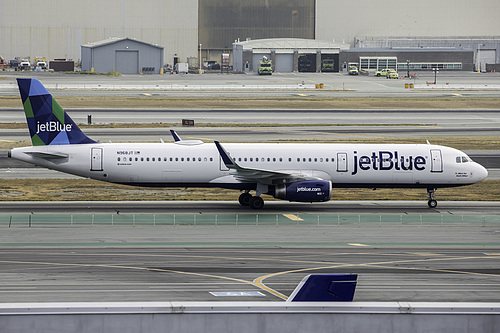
(255, 220)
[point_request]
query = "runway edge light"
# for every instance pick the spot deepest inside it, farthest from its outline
(325, 288)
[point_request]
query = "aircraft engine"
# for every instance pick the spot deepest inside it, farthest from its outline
(305, 191)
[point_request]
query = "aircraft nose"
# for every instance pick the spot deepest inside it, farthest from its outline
(481, 172)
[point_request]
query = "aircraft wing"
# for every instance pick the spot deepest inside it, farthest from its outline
(267, 177)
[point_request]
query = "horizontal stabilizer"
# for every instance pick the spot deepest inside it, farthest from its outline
(325, 288)
(47, 155)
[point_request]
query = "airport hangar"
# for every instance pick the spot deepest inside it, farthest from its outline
(210, 27)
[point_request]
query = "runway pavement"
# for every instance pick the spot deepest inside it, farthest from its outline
(247, 263)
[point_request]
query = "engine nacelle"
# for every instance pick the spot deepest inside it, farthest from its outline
(305, 191)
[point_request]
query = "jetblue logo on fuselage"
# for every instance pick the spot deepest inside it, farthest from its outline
(387, 160)
(53, 126)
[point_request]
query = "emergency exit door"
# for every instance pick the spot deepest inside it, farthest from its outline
(96, 159)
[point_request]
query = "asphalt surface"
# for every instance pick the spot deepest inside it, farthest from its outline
(335, 85)
(188, 263)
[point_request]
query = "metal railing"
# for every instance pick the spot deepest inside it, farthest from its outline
(256, 220)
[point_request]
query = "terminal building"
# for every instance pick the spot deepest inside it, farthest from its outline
(191, 29)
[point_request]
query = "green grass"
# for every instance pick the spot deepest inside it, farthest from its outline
(93, 190)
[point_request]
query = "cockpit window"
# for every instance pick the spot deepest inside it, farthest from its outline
(465, 159)
(459, 159)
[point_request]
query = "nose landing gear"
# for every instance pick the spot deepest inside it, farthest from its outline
(431, 196)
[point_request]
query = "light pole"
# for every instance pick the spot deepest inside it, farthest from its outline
(200, 60)
(436, 70)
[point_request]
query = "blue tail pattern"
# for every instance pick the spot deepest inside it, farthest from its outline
(48, 123)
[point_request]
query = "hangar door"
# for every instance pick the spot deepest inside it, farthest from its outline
(307, 63)
(256, 58)
(127, 62)
(486, 57)
(284, 63)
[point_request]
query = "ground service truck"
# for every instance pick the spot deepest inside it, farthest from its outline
(265, 67)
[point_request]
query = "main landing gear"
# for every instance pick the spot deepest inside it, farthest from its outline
(430, 195)
(255, 202)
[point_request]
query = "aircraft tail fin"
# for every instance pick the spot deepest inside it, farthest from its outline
(48, 123)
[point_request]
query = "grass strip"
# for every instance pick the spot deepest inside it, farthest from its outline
(93, 190)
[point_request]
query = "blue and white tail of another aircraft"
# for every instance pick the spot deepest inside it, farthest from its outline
(293, 172)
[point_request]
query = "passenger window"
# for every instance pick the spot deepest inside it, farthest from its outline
(199, 159)
(289, 159)
(153, 159)
(315, 159)
(326, 159)
(136, 159)
(147, 159)
(118, 159)
(142, 159)
(182, 159)
(251, 159)
(211, 159)
(281, 159)
(268, 159)
(205, 159)
(274, 159)
(321, 159)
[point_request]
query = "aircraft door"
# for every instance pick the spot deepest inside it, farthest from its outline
(341, 162)
(96, 159)
(436, 161)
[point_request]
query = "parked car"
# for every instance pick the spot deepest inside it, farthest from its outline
(383, 72)
(353, 70)
(392, 75)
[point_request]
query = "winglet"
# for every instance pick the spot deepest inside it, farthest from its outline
(177, 138)
(228, 161)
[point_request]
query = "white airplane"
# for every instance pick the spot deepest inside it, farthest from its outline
(293, 172)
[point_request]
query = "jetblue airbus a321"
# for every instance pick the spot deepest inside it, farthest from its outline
(293, 172)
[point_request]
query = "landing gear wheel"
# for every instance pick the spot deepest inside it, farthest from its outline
(245, 198)
(256, 203)
(430, 195)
